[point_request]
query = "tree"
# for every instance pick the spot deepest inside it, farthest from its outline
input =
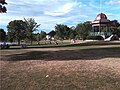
(10, 36)
(37, 37)
(62, 31)
(2, 35)
(16, 30)
(2, 8)
(52, 33)
(73, 33)
(83, 29)
(66, 32)
(59, 31)
(115, 27)
(115, 23)
(118, 32)
(42, 35)
(31, 26)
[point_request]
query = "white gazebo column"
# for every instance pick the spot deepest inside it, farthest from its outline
(99, 29)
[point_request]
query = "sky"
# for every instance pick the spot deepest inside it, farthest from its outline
(48, 13)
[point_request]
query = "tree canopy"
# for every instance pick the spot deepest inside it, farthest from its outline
(42, 35)
(80, 31)
(73, 33)
(24, 30)
(31, 26)
(62, 31)
(52, 33)
(83, 29)
(2, 8)
(2, 35)
(16, 30)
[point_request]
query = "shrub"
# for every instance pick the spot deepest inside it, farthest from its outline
(95, 38)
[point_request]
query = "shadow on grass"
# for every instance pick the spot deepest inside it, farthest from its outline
(80, 54)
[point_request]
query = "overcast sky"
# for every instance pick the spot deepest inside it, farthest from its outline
(48, 13)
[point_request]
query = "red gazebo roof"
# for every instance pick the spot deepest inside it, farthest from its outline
(101, 19)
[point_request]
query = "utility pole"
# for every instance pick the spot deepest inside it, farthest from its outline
(100, 16)
(100, 6)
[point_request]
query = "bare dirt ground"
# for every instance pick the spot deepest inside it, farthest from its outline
(69, 68)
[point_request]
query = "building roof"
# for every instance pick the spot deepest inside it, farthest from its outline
(101, 18)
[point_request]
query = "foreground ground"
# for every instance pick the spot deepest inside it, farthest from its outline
(77, 67)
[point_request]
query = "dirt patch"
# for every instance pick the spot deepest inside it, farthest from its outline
(65, 75)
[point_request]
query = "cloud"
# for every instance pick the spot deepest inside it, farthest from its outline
(111, 2)
(61, 10)
(48, 13)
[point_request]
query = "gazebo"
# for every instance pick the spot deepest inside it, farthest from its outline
(101, 26)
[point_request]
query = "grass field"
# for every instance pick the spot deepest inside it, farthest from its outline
(88, 66)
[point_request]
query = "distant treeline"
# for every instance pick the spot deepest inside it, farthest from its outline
(25, 30)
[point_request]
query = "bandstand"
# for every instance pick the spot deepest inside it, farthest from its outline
(101, 26)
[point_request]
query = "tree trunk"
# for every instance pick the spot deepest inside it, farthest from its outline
(18, 42)
(31, 39)
(31, 42)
